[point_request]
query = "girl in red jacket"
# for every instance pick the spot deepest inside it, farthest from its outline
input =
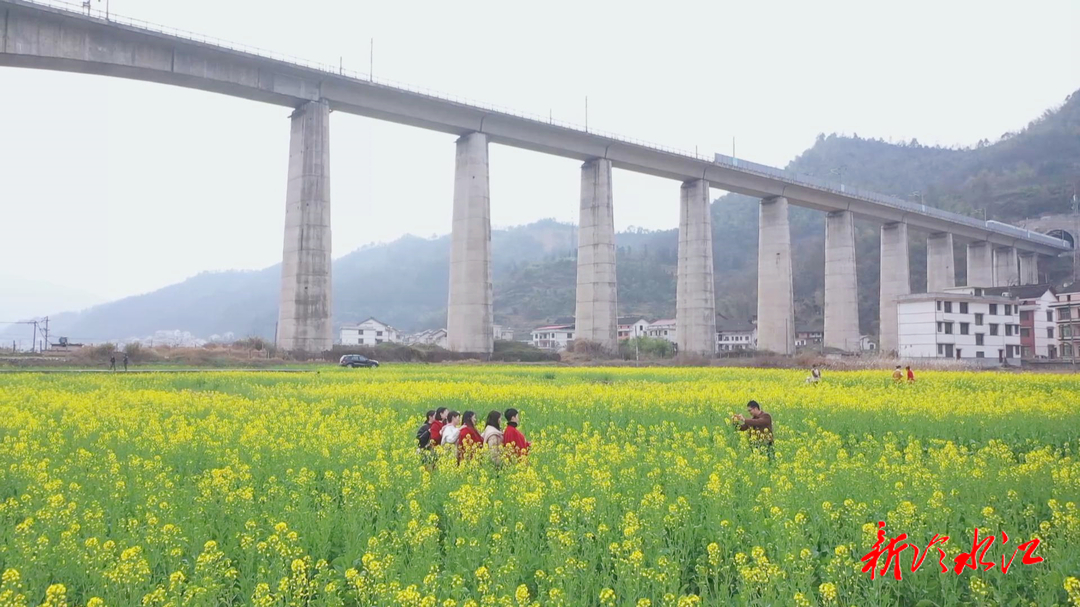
(437, 425)
(515, 441)
(469, 440)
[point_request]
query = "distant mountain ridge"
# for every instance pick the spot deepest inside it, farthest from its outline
(404, 282)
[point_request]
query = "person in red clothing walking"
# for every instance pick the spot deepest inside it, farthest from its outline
(469, 441)
(437, 425)
(910, 375)
(515, 441)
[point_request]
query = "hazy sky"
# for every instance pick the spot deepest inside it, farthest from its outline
(111, 188)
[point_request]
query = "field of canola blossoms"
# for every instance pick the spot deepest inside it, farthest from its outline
(305, 489)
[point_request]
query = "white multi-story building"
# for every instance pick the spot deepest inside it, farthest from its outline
(368, 333)
(430, 337)
(501, 333)
(553, 337)
(631, 327)
(1067, 317)
(662, 329)
(959, 323)
(734, 335)
(1038, 333)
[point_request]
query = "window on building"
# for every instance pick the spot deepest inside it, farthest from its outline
(941, 327)
(1026, 352)
(361, 341)
(1025, 315)
(1066, 331)
(963, 328)
(939, 306)
(949, 350)
(963, 307)
(978, 292)
(948, 328)
(1050, 332)
(1025, 332)
(979, 339)
(978, 320)
(948, 306)
(1008, 330)
(993, 309)
(1063, 313)
(993, 329)
(1049, 316)
(571, 335)
(378, 334)
(980, 354)
(941, 349)
(1066, 350)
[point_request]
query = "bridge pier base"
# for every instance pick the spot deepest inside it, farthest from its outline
(841, 283)
(1029, 268)
(980, 265)
(940, 272)
(776, 305)
(304, 312)
(596, 314)
(469, 308)
(1006, 273)
(895, 282)
(695, 290)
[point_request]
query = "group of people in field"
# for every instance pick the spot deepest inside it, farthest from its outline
(447, 433)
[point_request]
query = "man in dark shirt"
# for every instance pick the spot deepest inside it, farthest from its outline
(759, 424)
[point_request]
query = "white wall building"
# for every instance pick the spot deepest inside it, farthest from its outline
(631, 327)
(733, 335)
(1038, 333)
(662, 329)
(1067, 318)
(368, 333)
(501, 333)
(960, 323)
(430, 337)
(553, 337)
(866, 343)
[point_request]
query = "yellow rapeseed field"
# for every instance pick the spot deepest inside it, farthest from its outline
(306, 489)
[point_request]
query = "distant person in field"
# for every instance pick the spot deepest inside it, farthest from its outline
(112, 362)
(910, 375)
(125, 362)
(469, 439)
(815, 375)
(759, 425)
(898, 375)
(423, 434)
(450, 432)
(512, 437)
(437, 425)
(493, 437)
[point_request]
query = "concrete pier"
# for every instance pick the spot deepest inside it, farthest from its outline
(1006, 272)
(597, 294)
(304, 315)
(776, 307)
(940, 273)
(980, 265)
(1029, 268)
(468, 310)
(695, 300)
(841, 284)
(895, 281)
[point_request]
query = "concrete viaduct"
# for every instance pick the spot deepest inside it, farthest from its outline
(58, 36)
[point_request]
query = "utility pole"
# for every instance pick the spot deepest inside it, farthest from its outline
(33, 343)
(46, 333)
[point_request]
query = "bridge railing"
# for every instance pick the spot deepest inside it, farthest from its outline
(88, 9)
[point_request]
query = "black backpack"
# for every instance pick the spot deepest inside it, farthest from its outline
(423, 435)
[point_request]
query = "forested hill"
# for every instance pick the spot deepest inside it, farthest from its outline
(404, 283)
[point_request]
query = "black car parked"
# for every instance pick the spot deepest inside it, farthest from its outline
(355, 360)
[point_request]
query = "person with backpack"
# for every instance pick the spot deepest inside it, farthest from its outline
(423, 438)
(469, 440)
(493, 437)
(437, 425)
(515, 441)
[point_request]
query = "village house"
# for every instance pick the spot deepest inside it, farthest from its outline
(962, 322)
(368, 333)
(553, 337)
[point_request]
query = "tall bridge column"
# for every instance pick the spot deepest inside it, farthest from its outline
(940, 274)
(776, 306)
(895, 281)
(468, 310)
(596, 314)
(1006, 273)
(304, 314)
(695, 300)
(980, 265)
(1029, 268)
(841, 284)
